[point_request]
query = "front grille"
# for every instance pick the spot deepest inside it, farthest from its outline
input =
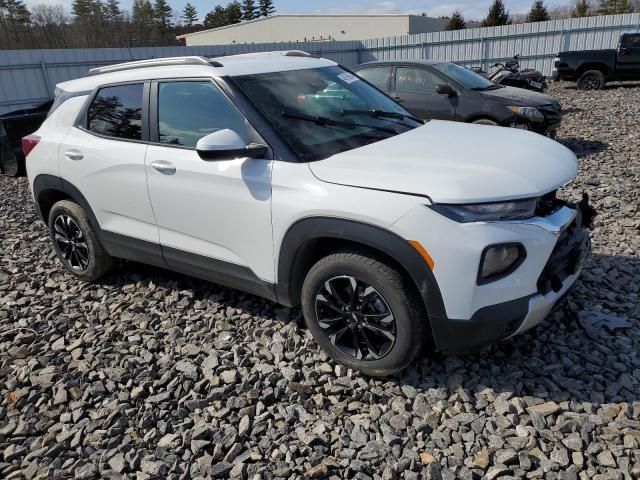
(548, 204)
(570, 251)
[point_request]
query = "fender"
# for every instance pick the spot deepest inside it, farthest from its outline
(303, 233)
(115, 244)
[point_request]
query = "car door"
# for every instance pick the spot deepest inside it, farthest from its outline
(210, 214)
(103, 156)
(378, 76)
(415, 87)
(628, 65)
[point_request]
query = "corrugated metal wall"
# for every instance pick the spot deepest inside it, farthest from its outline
(29, 76)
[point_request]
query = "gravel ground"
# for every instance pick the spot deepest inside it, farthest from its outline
(149, 374)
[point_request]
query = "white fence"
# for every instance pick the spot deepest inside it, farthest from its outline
(29, 76)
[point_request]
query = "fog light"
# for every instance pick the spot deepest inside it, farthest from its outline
(500, 260)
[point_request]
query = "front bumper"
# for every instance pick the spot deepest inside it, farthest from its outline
(557, 245)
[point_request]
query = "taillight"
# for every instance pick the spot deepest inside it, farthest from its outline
(29, 143)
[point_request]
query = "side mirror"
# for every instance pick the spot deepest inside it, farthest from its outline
(445, 89)
(226, 145)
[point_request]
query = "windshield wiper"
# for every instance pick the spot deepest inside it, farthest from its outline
(382, 114)
(325, 121)
(490, 87)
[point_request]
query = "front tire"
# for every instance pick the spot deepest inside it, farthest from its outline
(591, 80)
(76, 243)
(363, 313)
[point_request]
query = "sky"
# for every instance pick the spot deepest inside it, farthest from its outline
(471, 9)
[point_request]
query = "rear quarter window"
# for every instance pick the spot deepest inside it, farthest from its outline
(116, 111)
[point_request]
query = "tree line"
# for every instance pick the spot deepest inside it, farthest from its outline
(499, 15)
(104, 23)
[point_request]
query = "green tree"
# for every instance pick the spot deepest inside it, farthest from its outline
(142, 12)
(82, 8)
(162, 14)
(216, 18)
(456, 22)
(498, 15)
(112, 10)
(233, 12)
(249, 10)
(581, 8)
(266, 8)
(611, 7)
(189, 15)
(538, 12)
(14, 13)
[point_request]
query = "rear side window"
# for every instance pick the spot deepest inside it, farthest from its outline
(117, 112)
(633, 41)
(378, 76)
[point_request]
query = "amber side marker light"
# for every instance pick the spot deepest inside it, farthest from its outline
(425, 255)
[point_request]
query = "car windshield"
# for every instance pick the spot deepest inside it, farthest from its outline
(465, 77)
(323, 111)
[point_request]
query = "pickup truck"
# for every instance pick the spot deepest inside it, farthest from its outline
(591, 69)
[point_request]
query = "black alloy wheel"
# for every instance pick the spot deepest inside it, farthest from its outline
(356, 318)
(71, 242)
(591, 80)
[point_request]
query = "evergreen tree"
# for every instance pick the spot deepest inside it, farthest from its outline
(266, 8)
(456, 22)
(189, 15)
(612, 7)
(82, 8)
(216, 18)
(162, 14)
(498, 15)
(249, 10)
(14, 13)
(142, 12)
(538, 12)
(233, 13)
(581, 8)
(112, 10)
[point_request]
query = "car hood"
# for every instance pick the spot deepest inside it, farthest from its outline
(455, 163)
(520, 97)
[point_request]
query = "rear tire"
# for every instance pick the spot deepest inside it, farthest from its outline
(76, 243)
(591, 80)
(377, 328)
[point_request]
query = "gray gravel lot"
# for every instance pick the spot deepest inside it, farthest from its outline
(147, 374)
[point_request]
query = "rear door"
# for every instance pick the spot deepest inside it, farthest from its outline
(103, 156)
(628, 66)
(416, 88)
(379, 76)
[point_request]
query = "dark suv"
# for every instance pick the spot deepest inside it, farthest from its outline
(447, 91)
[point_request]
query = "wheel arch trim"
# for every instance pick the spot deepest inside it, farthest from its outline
(309, 229)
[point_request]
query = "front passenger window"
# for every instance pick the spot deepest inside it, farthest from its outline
(188, 111)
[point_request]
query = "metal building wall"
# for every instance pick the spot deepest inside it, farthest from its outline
(29, 76)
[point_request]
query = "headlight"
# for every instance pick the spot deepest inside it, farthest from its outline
(486, 212)
(500, 260)
(530, 113)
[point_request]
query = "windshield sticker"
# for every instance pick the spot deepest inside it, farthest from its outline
(347, 77)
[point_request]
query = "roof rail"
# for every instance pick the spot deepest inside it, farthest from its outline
(152, 62)
(297, 53)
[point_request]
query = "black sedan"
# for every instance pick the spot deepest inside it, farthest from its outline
(447, 91)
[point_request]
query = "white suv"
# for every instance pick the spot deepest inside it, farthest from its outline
(291, 178)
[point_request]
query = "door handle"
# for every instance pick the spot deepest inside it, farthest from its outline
(73, 155)
(164, 167)
(398, 99)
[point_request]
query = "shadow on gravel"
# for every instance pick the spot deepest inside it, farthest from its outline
(557, 359)
(609, 86)
(583, 147)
